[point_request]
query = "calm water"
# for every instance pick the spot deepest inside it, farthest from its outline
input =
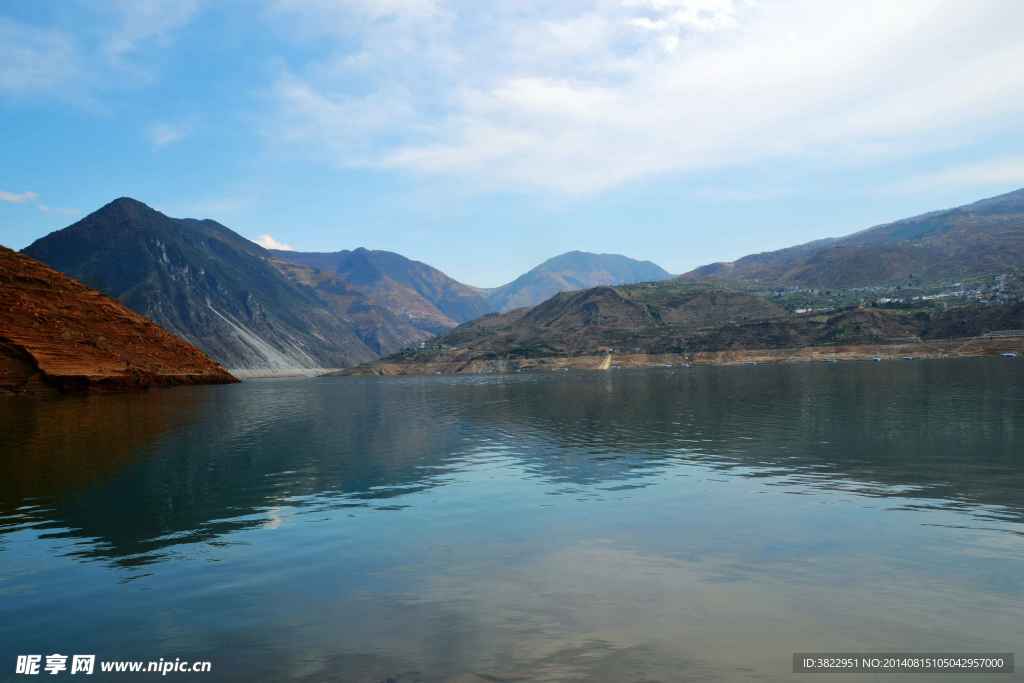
(660, 525)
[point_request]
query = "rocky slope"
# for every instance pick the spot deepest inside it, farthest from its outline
(434, 302)
(424, 296)
(55, 331)
(634, 317)
(220, 291)
(569, 272)
(982, 238)
(381, 329)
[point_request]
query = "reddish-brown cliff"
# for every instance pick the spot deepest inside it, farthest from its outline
(55, 331)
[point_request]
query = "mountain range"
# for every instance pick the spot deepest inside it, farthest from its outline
(424, 296)
(982, 238)
(208, 285)
(679, 322)
(262, 311)
(724, 307)
(257, 310)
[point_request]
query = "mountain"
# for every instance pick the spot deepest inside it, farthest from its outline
(254, 309)
(55, 330)
(982, 238)
(434, 302)
(424, 296)
(677, 321)
(641, 317)
(221, 292)
(571, 271)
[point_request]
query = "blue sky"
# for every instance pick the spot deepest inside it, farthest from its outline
(483, 138)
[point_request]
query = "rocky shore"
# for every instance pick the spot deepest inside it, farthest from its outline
(945, 348)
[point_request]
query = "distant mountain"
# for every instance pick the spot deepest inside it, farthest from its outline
(572, 271)
(222, 292)
(435, 302)
(630, 317)
(640, 324)
(56, 331)
(982, 238)
(418, 293)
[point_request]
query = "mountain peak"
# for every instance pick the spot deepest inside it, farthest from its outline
(125, 209)
(571, 271)
(125, 200)
(126, 204)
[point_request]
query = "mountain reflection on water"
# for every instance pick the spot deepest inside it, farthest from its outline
(405, 498)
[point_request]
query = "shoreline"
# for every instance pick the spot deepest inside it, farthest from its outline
(279, 373)
(970, 347)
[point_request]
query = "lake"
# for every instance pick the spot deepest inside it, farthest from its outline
(686, 524)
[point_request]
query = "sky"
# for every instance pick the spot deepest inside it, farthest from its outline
(485, 137)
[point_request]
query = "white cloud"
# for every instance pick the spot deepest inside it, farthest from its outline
(740, 194)
(350, 123)
(268, 242)
(18, 197)
(34, 59)
(1003, 171)
(32, 199)
(138, 23)
(584, 95)
(163, 134)
(59, 210)
(675, 15)
(91, 47)
(371, 9)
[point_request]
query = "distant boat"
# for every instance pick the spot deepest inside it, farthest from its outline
(1008, 354)
(908, 358)
(877, 359)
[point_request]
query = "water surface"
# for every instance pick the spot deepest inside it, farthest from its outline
(655, 525)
